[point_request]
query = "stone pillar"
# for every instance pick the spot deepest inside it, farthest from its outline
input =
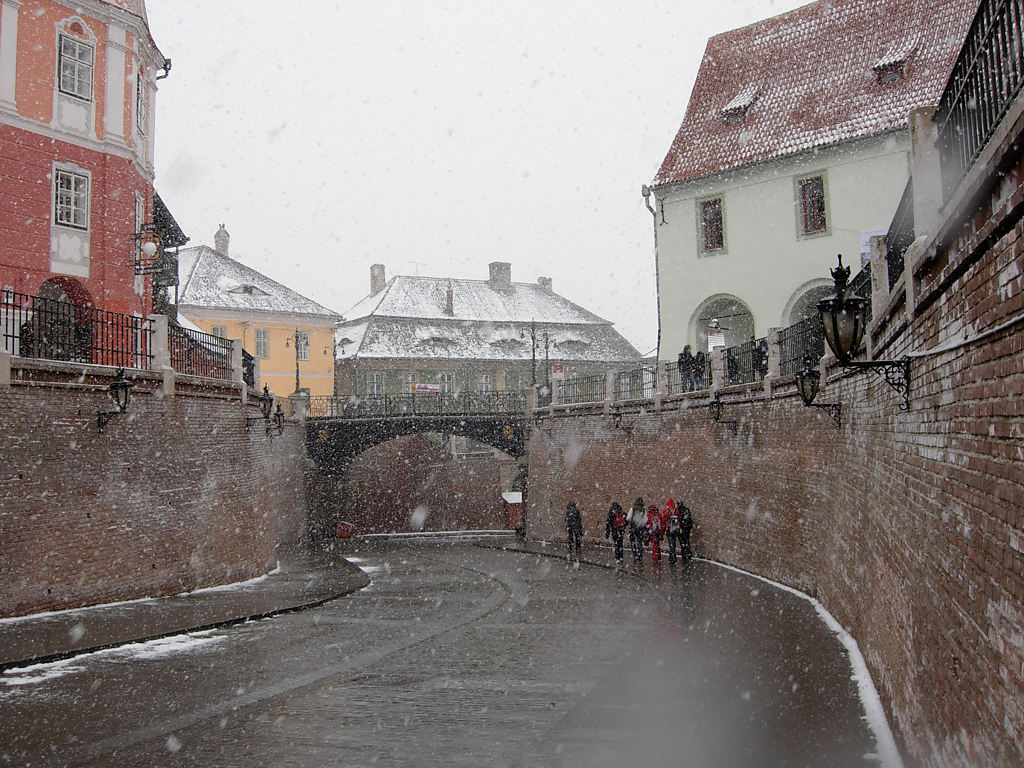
(531, 401)
(5, 369)
(925, 169)
(718, 378)
(609, 391)
(774, 360)
(161, 350)
(661, 379)
(297, 405)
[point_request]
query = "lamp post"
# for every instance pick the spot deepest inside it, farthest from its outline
(843, 316)
(295, 341)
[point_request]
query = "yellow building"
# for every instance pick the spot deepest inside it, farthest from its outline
(291, 337)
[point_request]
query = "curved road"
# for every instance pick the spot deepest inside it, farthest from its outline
(462, 655)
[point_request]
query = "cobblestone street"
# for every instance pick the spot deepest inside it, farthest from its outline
(458, 654)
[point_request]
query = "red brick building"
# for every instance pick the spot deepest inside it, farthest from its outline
(77, 88)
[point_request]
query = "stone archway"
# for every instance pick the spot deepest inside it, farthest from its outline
(733, 316)
(804, 301)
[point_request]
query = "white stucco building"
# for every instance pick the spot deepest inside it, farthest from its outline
(794, 147)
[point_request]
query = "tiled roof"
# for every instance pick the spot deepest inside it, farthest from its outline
(408, 319)
(210, 280)
(810, 78)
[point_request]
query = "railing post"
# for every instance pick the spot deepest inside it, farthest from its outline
(161, 350)
(718, 379)
(5, 369)
(774, 359)
(297, 405)
(237, 370)
(555, 399)
(661, 381)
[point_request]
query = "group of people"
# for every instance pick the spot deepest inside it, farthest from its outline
(691, 369)
(644, 524)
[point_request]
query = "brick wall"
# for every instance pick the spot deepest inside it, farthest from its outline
(173, 495)
(381, 488)
(907, 525)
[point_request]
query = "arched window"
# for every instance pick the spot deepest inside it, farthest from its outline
(731, 316)
(804, 304)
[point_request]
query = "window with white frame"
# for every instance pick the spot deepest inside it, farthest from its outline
(75, 67)
(447, 383)
(374, 384)
(302, 344)
(262, 338)
(410, 382)
(70, 199)
(141, 101)
(220, 331)
(483, 383)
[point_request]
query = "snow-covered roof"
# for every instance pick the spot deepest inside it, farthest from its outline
(811, 78)
(210, 280)
(409, 318)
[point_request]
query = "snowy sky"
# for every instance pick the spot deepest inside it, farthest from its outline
(431, 137)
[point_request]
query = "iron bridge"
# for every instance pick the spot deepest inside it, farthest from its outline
(340, 428)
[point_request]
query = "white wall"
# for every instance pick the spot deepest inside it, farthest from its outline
(767, 261)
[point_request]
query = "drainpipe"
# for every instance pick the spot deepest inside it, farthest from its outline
(646, 191)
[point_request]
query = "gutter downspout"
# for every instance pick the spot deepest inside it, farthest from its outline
(647, 191)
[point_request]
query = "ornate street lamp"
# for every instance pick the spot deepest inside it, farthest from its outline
(843, 315)
(807, 380)
(266, 401)
(120, 392)
(716, 415)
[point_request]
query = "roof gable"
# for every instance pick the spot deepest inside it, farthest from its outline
(827, 72)
(210, 280)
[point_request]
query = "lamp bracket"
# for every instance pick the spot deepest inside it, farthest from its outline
(102, 417)
(896, 374)
(835, 410)
(716, 415)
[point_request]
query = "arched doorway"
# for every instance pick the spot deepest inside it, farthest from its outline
(804, 301)
(733, 317)
(59, 326)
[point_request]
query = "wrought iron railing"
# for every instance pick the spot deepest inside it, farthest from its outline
(900, 234)
(199, 354)
(582, 389)
(248, 369)
(806, 337)
(985, 80)
(59, 330)
(747, 362)
(695, 378)
(637, 383)
(860, 285)
(418, 404)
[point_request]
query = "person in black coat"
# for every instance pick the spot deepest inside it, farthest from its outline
(615, 528)
(574, 526)
(685, 526)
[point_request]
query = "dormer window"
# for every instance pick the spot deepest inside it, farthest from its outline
(736, 110)
(890, 66)
(248, 290)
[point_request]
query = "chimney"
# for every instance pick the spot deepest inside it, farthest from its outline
(377, 279)
(449, 301)
(221, 241)
(501, 275)
(545, 283)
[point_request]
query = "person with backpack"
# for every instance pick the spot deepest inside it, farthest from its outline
(635, 518)
(670, 514)
(574, 526)
(655, 531)
(685, 527)
(614, 529)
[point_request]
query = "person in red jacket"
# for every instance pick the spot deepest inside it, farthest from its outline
(655, 530)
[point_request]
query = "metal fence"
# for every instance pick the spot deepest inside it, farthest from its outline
(199, 354)
(582, 389)
(637, 383)
(248, 369)
(985, 80)
(417, 404)
(59, 330)
(696, 378)
(900, 234)
(804, 338)
(747, 362)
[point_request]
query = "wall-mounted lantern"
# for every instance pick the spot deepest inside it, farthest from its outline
(716, 415)
(274, 421)
(843, 316)
(808, 379)
(120, 391)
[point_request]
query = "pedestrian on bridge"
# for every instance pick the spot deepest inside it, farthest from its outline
(655, 530)
(685, 527)
(615, 528)
(636, 520)
(670, 514)
(574, 526)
